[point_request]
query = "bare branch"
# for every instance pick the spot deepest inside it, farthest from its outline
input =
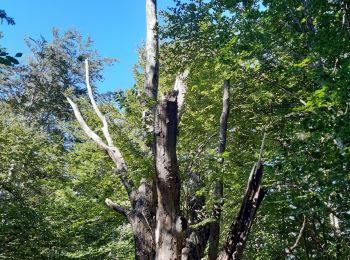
(95, 107)
(219, 186)
(85, 127)
(296, 243)
(224, 117)
(123, 211)
(113, 152)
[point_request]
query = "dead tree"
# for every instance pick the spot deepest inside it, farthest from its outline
(154, 214)
(219, 186)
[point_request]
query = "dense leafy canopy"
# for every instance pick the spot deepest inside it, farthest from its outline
(289, 67)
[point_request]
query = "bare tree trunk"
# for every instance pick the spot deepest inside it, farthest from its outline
(155, 208)
(141, 216)
(219, 188)
(143, 200)
(151, 74)
(142, 220)
(240, 228)
(152, 64)
(169, 224)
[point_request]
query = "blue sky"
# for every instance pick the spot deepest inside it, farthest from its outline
(117, 28)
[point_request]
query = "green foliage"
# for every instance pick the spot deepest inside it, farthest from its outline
(289, 67)
(287, 62)
(38, 88)
(5, 58)
(29, 163)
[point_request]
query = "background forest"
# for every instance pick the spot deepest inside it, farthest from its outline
(288, 64)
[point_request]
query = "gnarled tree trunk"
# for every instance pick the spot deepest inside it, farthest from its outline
(154, 214)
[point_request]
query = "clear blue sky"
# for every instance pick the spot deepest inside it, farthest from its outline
(117, 27)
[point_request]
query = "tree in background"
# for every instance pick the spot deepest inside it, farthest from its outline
(44, 195)
(5, 58)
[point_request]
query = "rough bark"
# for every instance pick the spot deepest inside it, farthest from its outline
(218, 192)
(240, 228)
(169, 224)
(141, 215)
(142, 220)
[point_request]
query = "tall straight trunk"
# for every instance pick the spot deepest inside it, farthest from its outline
(152, 62)
(151, 74)
(143, 200)
(240, 228)
(219, 189)
(169, 224)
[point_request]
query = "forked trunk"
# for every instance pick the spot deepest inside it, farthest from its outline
(155, 209)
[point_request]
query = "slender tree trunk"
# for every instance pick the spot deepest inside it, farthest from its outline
(169, 224)
(219, 187)
(152, 64)
(151, 74)
(346, 18)
(143, 200)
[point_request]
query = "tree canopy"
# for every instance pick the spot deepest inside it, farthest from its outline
(234, 73)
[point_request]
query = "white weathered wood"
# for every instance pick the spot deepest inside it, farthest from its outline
(113, 152)
(180, 87)
(95, 107)
(296, 243)
(152, 63)
(85, 127)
